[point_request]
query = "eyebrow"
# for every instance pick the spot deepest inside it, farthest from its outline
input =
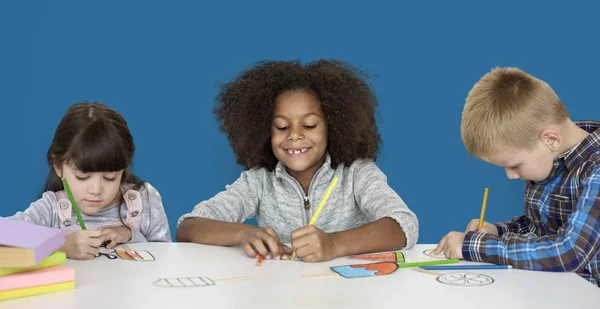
(303, 116)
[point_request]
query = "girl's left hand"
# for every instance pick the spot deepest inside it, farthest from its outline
(116, 235)
(313, 245)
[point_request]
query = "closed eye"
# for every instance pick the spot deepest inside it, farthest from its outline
(282, 128)
(110, 179)
(310, 127)
(82, 178)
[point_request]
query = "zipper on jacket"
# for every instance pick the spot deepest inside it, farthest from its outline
(306, 203)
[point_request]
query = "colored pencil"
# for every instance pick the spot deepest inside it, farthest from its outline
(231, 279)
(419, 269)
(75, 208)
(426, 263)
(323, 201)
(485, 195)
(260, 260)
(466, 267)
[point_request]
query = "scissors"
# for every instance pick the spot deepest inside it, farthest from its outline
(109, 253)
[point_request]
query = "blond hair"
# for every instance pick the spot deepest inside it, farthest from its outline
(507, 108)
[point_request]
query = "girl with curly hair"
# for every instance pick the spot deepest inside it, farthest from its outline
(294, 128)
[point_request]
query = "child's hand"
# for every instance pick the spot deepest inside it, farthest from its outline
(313, 245)
(116, 235)
(82, 245)
(451, 245)
(486, 228)
(264, 241)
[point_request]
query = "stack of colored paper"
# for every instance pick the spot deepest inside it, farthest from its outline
(29, 262)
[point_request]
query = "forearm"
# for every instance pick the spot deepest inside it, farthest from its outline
(518, 225)
(382, 235)
(211, 232)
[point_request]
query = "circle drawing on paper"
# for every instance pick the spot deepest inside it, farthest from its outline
(465, 279)
(428, 253)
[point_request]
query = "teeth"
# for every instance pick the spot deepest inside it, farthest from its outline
(297, 151)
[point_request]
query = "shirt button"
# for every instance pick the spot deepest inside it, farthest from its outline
(134, 214)
(64, 205)
(67, 223)
(131, 196)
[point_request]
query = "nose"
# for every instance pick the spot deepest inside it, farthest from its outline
(295, 134)
(95, 187)
(510, 174)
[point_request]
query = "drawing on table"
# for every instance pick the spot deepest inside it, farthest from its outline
(136, 255)
(113, 254)
(465, 279)
(186, 282)
(439, 256)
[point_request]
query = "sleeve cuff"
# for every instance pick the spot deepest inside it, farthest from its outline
(410, 227)
(502, 228)
(473, 248)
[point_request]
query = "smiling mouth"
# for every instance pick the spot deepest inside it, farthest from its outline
(296, 151)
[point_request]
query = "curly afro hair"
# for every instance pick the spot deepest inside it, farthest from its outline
(244, 109)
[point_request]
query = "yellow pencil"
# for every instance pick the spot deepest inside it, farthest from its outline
(323, 201)
(485, 195)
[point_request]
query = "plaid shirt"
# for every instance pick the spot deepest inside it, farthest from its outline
(560, 230)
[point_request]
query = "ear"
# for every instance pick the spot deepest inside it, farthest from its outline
(551, 139)
(57, 170)
(57, 167)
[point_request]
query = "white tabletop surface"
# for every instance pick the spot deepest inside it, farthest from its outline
(104, 283)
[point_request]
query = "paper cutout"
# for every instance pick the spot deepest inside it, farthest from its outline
(384, 256)
(192, 281)
(135, 255)
(465, 279)
(184, 282)
(126, 255)
(365, 270)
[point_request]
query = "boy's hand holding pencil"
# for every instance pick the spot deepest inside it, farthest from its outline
(486, 228)
(479, 224)
(451, 244)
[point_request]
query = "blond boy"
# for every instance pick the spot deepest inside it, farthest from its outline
(514, 120)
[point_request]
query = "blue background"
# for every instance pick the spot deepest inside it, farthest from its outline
(159, 63)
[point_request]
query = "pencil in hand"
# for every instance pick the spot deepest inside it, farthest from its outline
(73, 204)
(260, 260)
(485, 195)
(318, 211)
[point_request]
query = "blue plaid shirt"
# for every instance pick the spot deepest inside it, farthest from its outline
(560, 230)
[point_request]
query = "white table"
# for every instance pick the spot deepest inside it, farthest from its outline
(104, 283)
